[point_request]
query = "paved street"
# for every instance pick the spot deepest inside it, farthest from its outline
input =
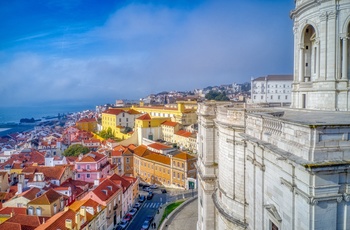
(186, 219)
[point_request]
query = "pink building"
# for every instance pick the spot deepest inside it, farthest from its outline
(92, 166)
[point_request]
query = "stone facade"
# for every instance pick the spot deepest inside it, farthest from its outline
(321, 68)
(283, 168)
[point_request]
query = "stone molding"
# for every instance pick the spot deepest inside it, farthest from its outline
(313, 200)
(256, 163)
(226, 215)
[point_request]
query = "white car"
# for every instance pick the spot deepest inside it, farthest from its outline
(153, 186)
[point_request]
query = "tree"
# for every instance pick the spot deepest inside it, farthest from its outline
(217, 96)
(76, 150)
(107, 133)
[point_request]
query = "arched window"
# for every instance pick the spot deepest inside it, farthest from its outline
(309, 55)
(38, 211)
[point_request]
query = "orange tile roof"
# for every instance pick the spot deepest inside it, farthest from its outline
(141, 150)
(31, 193)
(91, 157)
(132, 111)
(47, 198)
(159, 146)
(144, 117)
(26, 222)
(13, 210)
(124, 183)
(158, 158)
(10, 226)
(58, 221)
(184, 133)
(114, 111)
(170, 123)
(103, 192)
(87, 120)
(184, 156)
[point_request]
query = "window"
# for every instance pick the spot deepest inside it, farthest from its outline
(173, 174)
(120, 120)
(286, 97)
(88, 175)
(279, 97)
(78, 175)
(183, 165)
(127, 119)
(262, 97)
(127, 160)
(87, 166)
(38, 211)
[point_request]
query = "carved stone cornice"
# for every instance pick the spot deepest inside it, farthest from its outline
(313, 200)
(241, 223)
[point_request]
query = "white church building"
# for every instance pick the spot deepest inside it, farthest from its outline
(284, 168)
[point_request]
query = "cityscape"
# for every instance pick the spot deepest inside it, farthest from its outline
(264, 149)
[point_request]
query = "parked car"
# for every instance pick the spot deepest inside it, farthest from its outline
(127, 217)
(150, 218)
(118, 227)
(147, 189)
(142, 199)
(163, 190)
(150, 196)
(137, 205)
(145, 225)
(133, 211)
(153, 186)
(123, 224)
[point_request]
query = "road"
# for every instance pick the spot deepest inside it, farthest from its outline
(150, 207)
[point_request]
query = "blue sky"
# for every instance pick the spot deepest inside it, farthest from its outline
(100, 51)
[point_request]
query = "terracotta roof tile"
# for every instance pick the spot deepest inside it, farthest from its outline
(158, 146)
(170, 123)
(184, 133)
(104, 192)
(144, 117)
(13, 210)
(158, 158)
(184, 156)
(47, 198)
(141, 150)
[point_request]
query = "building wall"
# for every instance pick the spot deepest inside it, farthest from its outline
(321, 67)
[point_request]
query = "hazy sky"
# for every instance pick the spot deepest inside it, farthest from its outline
(99, 51)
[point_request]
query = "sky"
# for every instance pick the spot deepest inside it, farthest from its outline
(101, 51)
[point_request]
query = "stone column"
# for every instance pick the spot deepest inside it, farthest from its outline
(301, 63)
(345, 58)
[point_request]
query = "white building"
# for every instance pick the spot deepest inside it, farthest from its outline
(284, 168)
(272, 89)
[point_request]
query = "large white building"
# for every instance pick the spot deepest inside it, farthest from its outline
(272, 89)
(278, 168)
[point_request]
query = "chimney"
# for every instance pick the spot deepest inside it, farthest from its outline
(83, 211)
(96, 182)
(99, 208)
(68, 224)
(77, 220)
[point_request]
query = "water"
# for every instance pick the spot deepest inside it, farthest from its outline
(13, 114)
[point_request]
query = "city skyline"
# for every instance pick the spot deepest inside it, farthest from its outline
(56, 51)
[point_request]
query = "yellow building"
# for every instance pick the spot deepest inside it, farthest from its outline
(183, 114)
(87, 124)
(168, 170)
(168, 130)
(48, 204)
(118, 120)
(149, 127)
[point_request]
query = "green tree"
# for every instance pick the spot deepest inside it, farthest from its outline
(76, 150)
(107, 133)
(217, 96)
